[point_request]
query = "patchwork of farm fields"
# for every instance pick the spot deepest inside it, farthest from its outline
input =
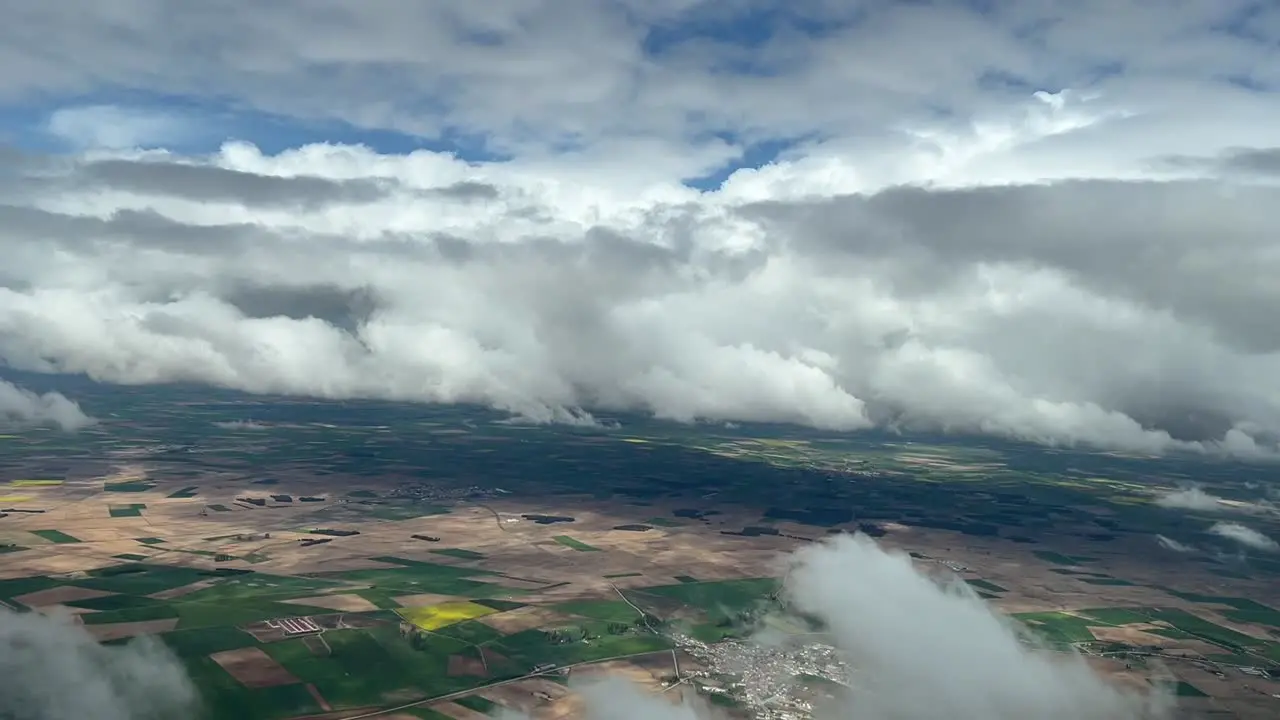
(231, 629)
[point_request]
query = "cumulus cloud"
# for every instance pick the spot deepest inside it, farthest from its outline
(1192, 498)
(881, 611)
(51, 669)
(915, 308)
(1245, 536)
(1169, 543)
(991, 236)
(19, 406)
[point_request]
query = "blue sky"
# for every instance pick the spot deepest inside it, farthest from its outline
(397, 78)
(129, 112)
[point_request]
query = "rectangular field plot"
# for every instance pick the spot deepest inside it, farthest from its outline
(588, 641)
(575, 544)
(1057, 628)
(419, 577)
(717, 599)
(459, 553)
(434, 617)
(55, 536)
(130, 510)
(226, 697)
(608, 610)
(364, 668)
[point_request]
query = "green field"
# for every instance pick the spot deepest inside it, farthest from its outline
(471, 632)
(380, 598)
(530, 648)
(460, 553)
(1183, 625)
(1060, 559)
(367, 668)
(10, 589)
(1109, 581)
(1057, 628)
(1119, 616)
(986, 585)
(477, 703)
(130, 510)
(225, 697)
(55, 536)
(663, 522)
(426, 713)
(608, 610)
(419, 577)
(186, 492)
(149, 540)
(575, 544)
(142, 579)
(1186, 689)
(1241, 610)
(1205, 630)
(719, 600)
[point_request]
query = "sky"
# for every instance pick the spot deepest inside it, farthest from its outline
(1052, 221)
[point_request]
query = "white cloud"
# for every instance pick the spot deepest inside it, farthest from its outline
(1192, 498)
(111, 127)
(991, 235)
(881, 611)
(51, 669)
(1169, 543)
(1244, 535)
(19, 406)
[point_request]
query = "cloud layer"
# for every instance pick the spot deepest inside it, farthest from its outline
(341, 273)
(19, 406)
(51, 669)
(1062, 232)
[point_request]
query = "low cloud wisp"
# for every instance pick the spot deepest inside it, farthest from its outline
(1169, 543)
(1244, 535)
(22, 407)
(882, 612)
(51, 669)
